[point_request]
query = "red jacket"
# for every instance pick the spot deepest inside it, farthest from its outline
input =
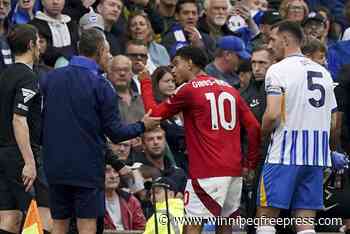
(131, 211)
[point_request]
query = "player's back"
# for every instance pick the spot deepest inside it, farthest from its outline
(302, 137)
(212, 127)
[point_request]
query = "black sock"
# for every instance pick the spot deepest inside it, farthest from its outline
(5, 232)
(46, 232)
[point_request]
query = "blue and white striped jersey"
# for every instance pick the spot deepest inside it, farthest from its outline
(302, 136)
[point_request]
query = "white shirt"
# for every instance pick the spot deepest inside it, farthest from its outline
(114, 211)
(302, 137)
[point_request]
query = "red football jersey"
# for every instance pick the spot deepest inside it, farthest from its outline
(213, 112)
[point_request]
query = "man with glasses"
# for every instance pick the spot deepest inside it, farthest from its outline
(130, 103)
(138, 53)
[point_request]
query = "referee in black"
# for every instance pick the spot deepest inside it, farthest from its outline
(20, 107)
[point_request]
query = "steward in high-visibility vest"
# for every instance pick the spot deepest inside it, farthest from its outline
(176, 214)
(165, 188)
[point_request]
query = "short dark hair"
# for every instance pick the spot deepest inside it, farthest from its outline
(182, 2)
(196, 54)
(313, 46)
(20, 37)
(293, 28)
(90, 42)
(262, 47)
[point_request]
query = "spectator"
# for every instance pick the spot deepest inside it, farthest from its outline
(314, 27)
(138, 54)
(130, 102)
(269, 18)
(185, 32)
(146, 6)
(331, 36)
(122, 150)
(337, 56)
(60, 32)
(294, 10)
(243, 22)
(316, 51)
(175, 206)
(86, 122)
(77, 8)
(335, 8)
(5, 55)
(139, 28)
(154, 152)
(230, 50)
(166, 9)
(163, 84)
(111, 11)
(23, 11)
(213, 22)
(155, 162)
(87, 21)
(123, 210)
(245, 75)
(91, 20)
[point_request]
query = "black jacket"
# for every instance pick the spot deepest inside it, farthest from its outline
(53, 53)
(255, 97)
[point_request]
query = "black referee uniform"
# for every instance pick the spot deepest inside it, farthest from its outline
(19, 94)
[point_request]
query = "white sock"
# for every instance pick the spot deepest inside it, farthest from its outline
(265, 230)
(307, 231)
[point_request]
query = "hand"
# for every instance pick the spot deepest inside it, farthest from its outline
(144, 74)
(244, 12)
(194, 36)
(339, 160)
(125, 171)
(28, 175)
(150, 122)
(88, 3)
(248, 175)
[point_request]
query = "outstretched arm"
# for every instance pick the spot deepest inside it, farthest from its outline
(167, 108)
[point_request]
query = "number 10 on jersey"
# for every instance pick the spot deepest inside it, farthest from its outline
(217, 110)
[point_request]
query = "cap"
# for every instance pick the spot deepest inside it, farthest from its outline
(91, 20)
(314, 16)
(168, 182)
(271, 17)
(234, 44)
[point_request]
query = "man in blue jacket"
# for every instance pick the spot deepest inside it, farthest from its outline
(80, 108)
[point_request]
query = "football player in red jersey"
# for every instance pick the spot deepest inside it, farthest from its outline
(213, 112)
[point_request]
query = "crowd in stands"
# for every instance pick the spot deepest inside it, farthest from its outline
(147, 33)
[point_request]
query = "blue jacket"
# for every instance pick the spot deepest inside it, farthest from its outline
(336, 8)
(338, 55)
(80, 108)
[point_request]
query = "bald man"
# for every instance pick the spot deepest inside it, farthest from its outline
(130, 104)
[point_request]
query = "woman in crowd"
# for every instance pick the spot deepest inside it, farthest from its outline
(164, 86)
(294, 10)
(139, 28)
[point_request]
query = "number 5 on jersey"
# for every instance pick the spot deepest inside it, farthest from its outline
(217, 110)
